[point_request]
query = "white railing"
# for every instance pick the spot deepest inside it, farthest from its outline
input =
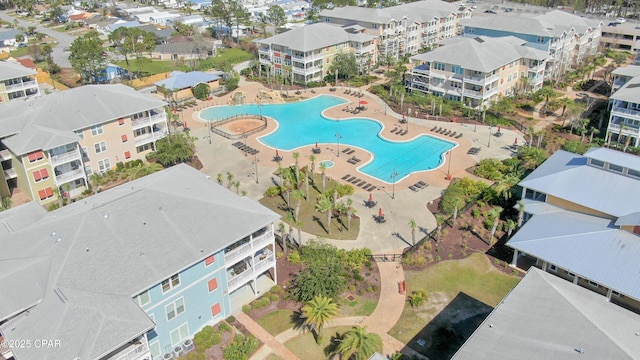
(147, 120)
(157, 135)
(66, 157)
(472, 93)
(5, 155)
(628, 130)
(263, 240)
(626, 111)
(264, 264)
(21, 85)
(240, 278)
(136, 353)
(69, 175)
(239, 252)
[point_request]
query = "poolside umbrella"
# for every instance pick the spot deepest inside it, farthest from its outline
(370, 197)
(316, 144)
(277, 155)
(363, 102)
(498, 128)
(185, 125)
(515, 142)
(380, 213)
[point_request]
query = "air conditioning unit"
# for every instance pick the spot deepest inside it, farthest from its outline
(178, 350)
(168, 356)
(187, 345)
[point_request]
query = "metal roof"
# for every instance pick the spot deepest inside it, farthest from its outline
(545, 317)
(589, 246)
(614, 157)
(629, 70)
(629, 92)
(13, 69)
(567, 176)
(314, 36)
(181, 80)
(418, 11)
(101, 251)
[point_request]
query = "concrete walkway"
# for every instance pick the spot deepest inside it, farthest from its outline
(267, 339)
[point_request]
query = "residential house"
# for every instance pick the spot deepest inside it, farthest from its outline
(581, 222)
(133, 272)
(118, 24)
(55, 142)
(17, 82)
(186, 20)
(8, 37)
(162, 34)
(178, 88)
(545, 317)
(161, 18)
(145, 17)
(624, 107)
(569, 39)
(478, 71)
(183, 48)
(403, 29)
(101, 24)
(306, 53)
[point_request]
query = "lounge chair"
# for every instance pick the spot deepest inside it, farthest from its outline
(373, 187)
(346, 177)
(362, 182)
(394, 130)
(422, 183)
(346, 150)
(366, 187)
(453, 134)
(413, 188)
(459, 136)
(351, 151)
(404, 132)
(351, 179)
(434, 128)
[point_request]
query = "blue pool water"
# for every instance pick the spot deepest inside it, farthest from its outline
(327, 163)
(302, 124)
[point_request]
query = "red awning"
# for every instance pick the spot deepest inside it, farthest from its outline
(37, 176)
(44, 173)
(127, 154)
(42, 194)
(49, 191)
(32, 157)
(120, 121)
(124, 138)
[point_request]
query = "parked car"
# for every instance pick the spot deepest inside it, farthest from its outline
(490, 12)
(22, 45)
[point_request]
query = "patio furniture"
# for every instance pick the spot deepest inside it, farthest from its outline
(434, 128)
(351, 151)
(413, 188)
(316, 150)
(346, 150)
(346, 177)
(422, 183)
(459, 136)
(372, 188)
(453, 134)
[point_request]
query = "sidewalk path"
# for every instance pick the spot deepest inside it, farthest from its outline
(269, 341)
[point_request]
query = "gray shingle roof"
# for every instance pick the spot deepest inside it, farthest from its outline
(181, 80)
(49, 121)
(13, 69)
(545, 317)
(589, 246)
(314, 36)
(418, 11)
(629, 70)
(567, 176)
(108, 247)
(630, 91)
(482, 53)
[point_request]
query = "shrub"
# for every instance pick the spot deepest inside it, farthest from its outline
(475, 213)
(272, 191)
(370, 289)
(438, 258)
(231, 319)
(241, 348)
(351, 288)
(224, 326)
(246, 308)
(413, 259)
(417, 298)
(361, 291)
(274, 297)
(491, 169)
(276, 289)
(294, 257)
(206, 338)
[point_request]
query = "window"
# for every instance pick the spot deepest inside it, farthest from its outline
(616, 168)
(215, 310)
(597, 163)
(374, 26)
(438, 66)
(35, 156)
(634, 173)
(120, 121)
(124, 138)
(84, 153)
(80, 134)
(213, 284)
(100, 147)
(96, 130)
(142, 148)
(179, 334)
(540, 39)
(616, 294)
(155, 349)
(210, 260)
(144, 298)
(39, 175)
(593, 283)
(174, 309)
(170, 283)
(457, 69)
(127, 154)
(104, 165)
(45, 194)
(87, 170)
(553, 268)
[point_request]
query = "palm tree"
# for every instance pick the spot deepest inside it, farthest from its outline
(413, 225)
(290, 220)
(298, 225)
(297, 196)
(323, 167)
(296, 156)
(229, 180)
(359, 344)
(312, 159)
(566, 103)
(546, 92)
(220, 178)
(510, 225)
(317, 312)
(236, 184)
(350, 212)
(439, 221)
(281, 229)
(325, 205)
(306, 185)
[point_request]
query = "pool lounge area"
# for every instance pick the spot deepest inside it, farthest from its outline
(303, 123)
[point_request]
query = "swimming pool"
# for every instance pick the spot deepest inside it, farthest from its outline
(302, 124)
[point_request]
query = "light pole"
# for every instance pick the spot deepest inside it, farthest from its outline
(338, 136)
(449, 170)
(489, 145)
(393, 184)
(255, 162)
(209, 126)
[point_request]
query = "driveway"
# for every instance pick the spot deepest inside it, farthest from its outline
(64, 40)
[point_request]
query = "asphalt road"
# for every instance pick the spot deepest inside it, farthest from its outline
(64, 40)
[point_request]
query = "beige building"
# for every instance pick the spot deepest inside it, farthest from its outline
(17, 82)
(178, 88)
(53, 144)
(478, 71)
(404, 29)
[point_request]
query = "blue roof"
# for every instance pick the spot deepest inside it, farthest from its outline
(589, 246)
(9, 34)
(567, 176)
(182, 80)
(128, 24)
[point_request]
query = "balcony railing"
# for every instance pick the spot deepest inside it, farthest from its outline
(263, 240)
(245, 250)
(65, 158)
(10, 174)
(472, 93)
(21, 85)
(156, 135)
(148, 120)
(627, 130)
(69, 176)
(239, 252)
(237, 280)
(5, 155)
(625, 111)
(136, 353)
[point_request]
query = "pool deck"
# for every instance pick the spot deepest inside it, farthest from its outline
(400, 204)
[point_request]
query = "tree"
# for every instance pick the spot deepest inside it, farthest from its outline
(510, 225)
(19, 38)
(201, 91)
(358, 344)
(182, 29)
(276, 15)
(531, 157)
(290, 220)
(323, 168)
(263, 21)
(546, 92)
(345, 64)
(325, 205)
(132, 41)
(413, 225)
(296, 156)
(566, 103)
(239, 14)
(137, 172)
(86, 56)
(350, 212)
(281, 229)
(175, 149)
(439, 222)
(297, 196)
(317, 313)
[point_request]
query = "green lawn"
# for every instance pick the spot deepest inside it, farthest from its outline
(152, 67)
(473, 282)
(277, 321)
(361, 306)
(305, 347)
(312, 221)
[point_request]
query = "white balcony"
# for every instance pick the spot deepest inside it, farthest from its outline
(68, 176)
(137, 350)
(249, 248)
(10, 174)
(625, 113)
(264, 51)
(149, 120)
(472, 93)
(151, 137)
(251, 272)
(65, 158)
(5, 155)
(627, 130)
(22, 85)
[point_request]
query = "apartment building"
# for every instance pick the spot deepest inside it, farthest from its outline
(17, 82)
(306, 53)
(404, 29)
(620, 36)
(54, 143)
(581, 222)
(569, 39)
(133, 272)
(624, 107)
(478, 71)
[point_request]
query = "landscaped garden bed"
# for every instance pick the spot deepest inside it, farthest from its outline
(228, 340)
